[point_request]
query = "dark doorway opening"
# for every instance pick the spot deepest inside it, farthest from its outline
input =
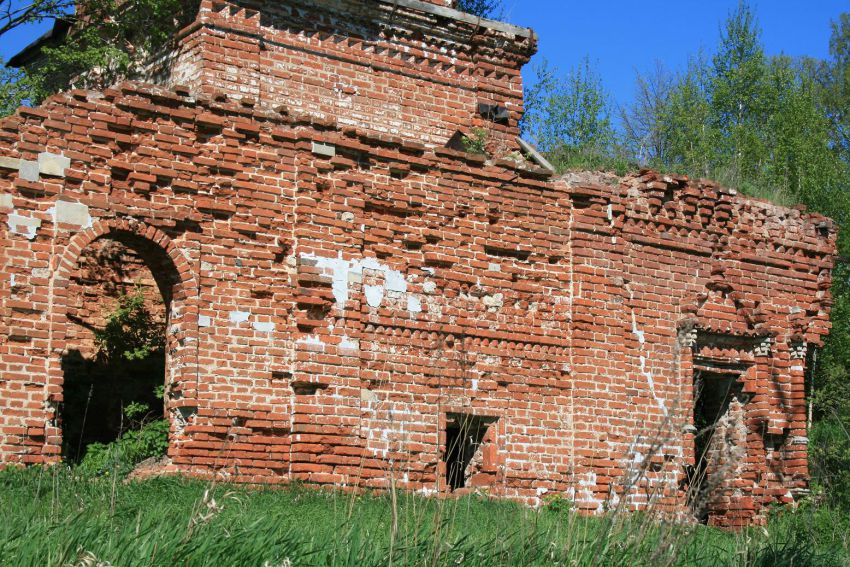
(114, 372)
(713, 393)
(464, 436)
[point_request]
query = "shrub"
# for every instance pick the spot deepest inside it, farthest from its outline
(133, 447)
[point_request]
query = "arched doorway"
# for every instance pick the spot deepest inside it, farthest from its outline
(118, 309)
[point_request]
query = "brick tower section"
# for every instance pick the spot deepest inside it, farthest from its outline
(353, 300)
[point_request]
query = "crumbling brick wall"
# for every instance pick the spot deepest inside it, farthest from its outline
(340, 298)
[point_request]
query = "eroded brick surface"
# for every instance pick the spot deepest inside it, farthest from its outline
(345, 293)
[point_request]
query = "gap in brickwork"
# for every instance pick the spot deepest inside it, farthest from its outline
(715, 445)
(465, 436)
(100, 382)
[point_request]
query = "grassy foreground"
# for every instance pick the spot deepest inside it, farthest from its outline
(51, 517)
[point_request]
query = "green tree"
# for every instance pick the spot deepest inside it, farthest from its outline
(645, 135)
(131, 331)
(112, 41)
(14, 13)
(737, 94)
(687, 123)
(482, 8)
(569, 114)
(834, 77)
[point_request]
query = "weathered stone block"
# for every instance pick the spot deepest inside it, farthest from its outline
(9, 163)
(66, 212)
(53, 164)
(28, 170)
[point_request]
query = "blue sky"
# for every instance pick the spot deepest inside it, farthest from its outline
(624, 36)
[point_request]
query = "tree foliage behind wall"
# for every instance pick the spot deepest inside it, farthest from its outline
(482, 8)
(111, 39)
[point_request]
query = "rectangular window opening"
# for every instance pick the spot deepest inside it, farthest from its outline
(466, 454)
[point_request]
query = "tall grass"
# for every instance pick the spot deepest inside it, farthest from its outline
(56, 517)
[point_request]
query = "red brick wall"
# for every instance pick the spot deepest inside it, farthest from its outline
(338, 295)
(371, 65)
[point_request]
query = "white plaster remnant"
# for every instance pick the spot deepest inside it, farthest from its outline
(414, 304)
(204, 321)
(314, 340)
(349, 344)
(66, 212)
(429, 287)
(263, 327)
(5, 201)
(374, 295)
(643, 369)
(345, 272)
(493, 302)
(239, 316)
(26, 226)
(53, 164)
(324, 150)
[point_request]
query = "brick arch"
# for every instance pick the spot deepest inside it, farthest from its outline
(181, 375)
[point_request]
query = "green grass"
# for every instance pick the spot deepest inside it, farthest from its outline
(52, 517)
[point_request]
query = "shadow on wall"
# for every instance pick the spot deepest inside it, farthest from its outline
(97, 393)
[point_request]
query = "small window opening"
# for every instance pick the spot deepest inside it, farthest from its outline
(466, 437)
(494, 112)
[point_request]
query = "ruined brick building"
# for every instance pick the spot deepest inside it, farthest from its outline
(350, 297)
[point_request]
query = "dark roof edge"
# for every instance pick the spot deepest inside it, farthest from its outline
(463, 17)
(54, 35)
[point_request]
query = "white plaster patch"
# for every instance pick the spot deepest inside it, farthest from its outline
(641, 337)
(414, 304)
(349, 344)
(23, 225)
(239, 316)
(5, 201)
(263, 327)
(204, 321)
(345, 272)
(314, 340)
(66, 212)
(374, 295)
